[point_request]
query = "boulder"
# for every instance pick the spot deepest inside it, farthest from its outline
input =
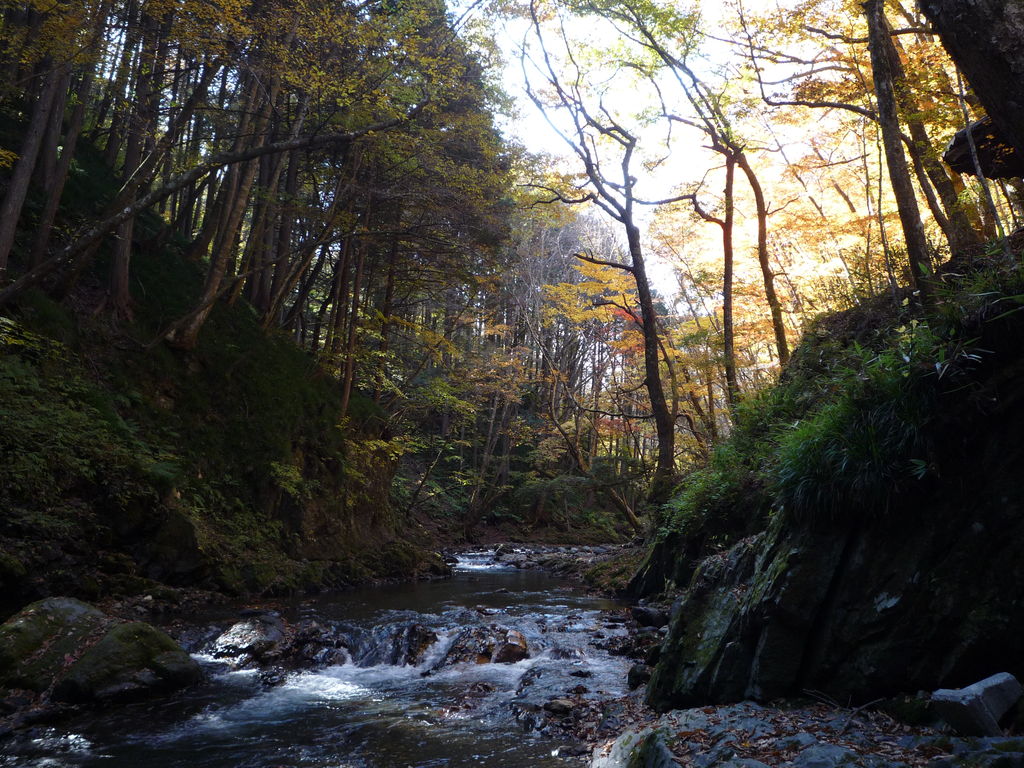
(75, 651)
(413, 643)
(855, 610)
(638, 675)
(36, 643)
(512, 650)
(976, 709)
(643, 749)
(130, 660)
(649, 616)
(259, 634)
(484, 645)
(997, 159)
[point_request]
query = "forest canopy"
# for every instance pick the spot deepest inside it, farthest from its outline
(552, 339)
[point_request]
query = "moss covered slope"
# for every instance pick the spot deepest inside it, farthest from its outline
(125, 464)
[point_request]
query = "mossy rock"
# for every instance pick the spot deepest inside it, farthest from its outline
(646, 749)
(131, 659)
(35, 644)
(81, 654)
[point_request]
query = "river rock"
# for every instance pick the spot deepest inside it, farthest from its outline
(567, 653)
(503, 550)
(80, 654)
(484, 645)
(643, 749)
(649, 616)
(571, 750)
(528, 715)
(410, 645)
(313, 644)
(825, 756)
(638, 675)
(35, 643)
(255, 637)
(418, 639)
(512, 650)
(560, 707)
(976, 709)
(129, 660)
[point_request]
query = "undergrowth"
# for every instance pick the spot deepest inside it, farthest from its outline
(125, 464)
(853, 424)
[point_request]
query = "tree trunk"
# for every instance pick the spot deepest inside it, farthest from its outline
(778, 324)
(732, 387)
(960, 233)
(17, 187)
(56, 187)
(899, 174)
(353, 325)
(46, 166)
(665, 470)
(147, 96)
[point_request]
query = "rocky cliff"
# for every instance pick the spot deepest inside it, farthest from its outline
(857, 592)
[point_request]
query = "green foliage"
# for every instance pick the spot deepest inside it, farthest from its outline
(61, 433)
(854, 423)
(289, 478)
(204, 465)
(718, 502)
(853, 454)
(613, 575)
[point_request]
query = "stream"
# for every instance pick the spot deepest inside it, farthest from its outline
(393, 697)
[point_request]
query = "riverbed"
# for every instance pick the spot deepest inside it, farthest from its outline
(374, 708)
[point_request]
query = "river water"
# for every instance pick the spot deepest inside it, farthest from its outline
(364, 712)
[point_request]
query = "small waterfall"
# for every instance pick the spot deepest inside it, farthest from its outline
(445, 673)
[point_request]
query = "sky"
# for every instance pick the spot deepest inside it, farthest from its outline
(529, 127)
(689, 161)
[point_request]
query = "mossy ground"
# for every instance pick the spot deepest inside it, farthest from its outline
(612, 576)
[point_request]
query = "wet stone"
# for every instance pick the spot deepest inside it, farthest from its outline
(572, 750)
(528, 715)
(560, 707)
(824, 756)
(611, 717)
(561, 652)
(512, 650)
(255, 637)
(797, 741)
(648, 616)
(638, 675)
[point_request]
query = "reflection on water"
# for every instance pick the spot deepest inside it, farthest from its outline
(369, 715)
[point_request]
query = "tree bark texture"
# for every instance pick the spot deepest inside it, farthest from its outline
(899, 174)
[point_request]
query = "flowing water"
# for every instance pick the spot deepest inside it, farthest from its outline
(374, 709)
